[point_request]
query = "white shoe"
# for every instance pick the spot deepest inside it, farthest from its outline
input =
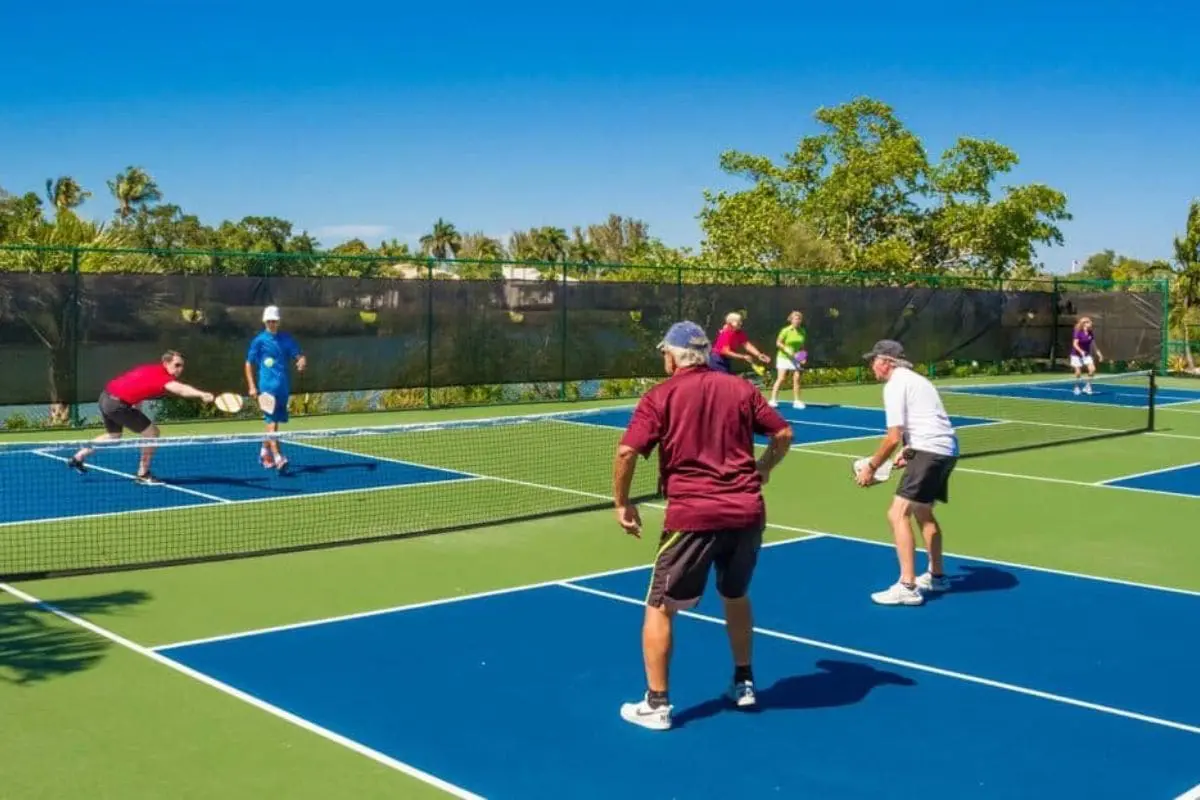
(797, 404)
(773, 403)
(928, 583)
(898, 595)
(1087, 389)
(640, 713)
(1077, 390)
(742, 694)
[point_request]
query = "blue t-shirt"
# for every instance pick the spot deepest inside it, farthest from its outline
(272, 354)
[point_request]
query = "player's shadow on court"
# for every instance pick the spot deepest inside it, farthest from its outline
(970, 578)
(36, 645)
(268, 481)
(839, 683)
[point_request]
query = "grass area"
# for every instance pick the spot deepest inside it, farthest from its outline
(96, 720)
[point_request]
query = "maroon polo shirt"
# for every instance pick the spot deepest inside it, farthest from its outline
(703, 423)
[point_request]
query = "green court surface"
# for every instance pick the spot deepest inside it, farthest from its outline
(88, 716)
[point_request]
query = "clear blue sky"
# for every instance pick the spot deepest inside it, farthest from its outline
(378, 118)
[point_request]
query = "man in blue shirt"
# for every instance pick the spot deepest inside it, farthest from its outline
(271, 354)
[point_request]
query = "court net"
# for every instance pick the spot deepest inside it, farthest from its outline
(217, 500)
(1010, 416)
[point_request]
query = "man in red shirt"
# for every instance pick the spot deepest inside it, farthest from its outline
(120, 398)
(729, 339)
(703, 423)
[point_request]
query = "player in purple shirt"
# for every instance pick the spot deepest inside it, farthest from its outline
(1083, 345)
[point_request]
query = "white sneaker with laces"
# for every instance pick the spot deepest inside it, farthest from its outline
(640, 713)
(898, 595)
(928, 583)
(798, 404)
(742, 694)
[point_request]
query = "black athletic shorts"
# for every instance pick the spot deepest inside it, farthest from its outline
(926, 477)
(118, 415)
(684, 558)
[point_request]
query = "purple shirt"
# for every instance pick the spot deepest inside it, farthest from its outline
(1084, 340)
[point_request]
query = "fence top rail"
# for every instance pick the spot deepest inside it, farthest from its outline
(596, 267)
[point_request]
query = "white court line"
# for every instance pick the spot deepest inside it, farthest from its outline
(913, 665)
(287, 716)
(1020, 476)
(129, 476)
(1150, 472)
(1191, 794)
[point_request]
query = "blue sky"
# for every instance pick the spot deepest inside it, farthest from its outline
(375, 119)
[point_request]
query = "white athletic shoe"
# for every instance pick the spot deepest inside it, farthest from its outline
(798, 404)
(640, 713)
(1087, 389)
(928, 583)
(898, 595)
(1078, 390)
(773, 403)
(742, 694)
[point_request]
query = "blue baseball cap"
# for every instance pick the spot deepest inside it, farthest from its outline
(687, 335)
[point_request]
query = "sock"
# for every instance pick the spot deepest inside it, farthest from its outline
(743, 674)
(656, 699)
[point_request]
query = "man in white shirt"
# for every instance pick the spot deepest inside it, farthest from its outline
(915, 417)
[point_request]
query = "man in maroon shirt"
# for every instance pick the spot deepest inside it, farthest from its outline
(120, 398)
(703, 423)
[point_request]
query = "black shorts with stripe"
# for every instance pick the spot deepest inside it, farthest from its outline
(685, 557)
(926, 477)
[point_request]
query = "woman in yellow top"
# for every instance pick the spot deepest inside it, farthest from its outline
(790, 357)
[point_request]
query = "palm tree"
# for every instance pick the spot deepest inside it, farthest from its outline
(65, 194)
(443, 239)
(134, 188)
(1187, 275)
(551, 243)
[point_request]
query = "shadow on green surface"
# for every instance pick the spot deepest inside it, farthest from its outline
(36, 645)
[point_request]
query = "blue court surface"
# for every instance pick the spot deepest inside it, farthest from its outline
(197, 475)
(1110, 393)
(1182, 480)
(978, 693)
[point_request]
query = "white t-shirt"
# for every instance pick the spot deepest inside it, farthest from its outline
(910, 401)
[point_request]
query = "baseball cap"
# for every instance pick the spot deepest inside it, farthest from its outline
(687, 335)
(888, 348)
(271, 314)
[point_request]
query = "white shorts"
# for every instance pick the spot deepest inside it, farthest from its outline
(784, 364)
(1078, 363)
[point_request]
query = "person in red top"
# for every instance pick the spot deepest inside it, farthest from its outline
(703, 423)
(729, 339)
(121, 396)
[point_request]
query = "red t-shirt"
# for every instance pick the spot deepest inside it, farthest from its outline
(729, 338)
(703, 423)
(140, 383)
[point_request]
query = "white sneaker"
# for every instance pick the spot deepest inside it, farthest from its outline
(742, 694)
(773, 403)
(928, 583)
(797, 404)
(898, 595)
(640, 713)
(1077, 390)
(1087, 389)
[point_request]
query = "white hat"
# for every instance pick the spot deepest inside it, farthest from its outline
(271, 314)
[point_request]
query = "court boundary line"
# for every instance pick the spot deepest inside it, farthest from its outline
(1150, 472)
(805, 535)
(128, 476)
(248, 698)
(917, 666)
(1191, 794)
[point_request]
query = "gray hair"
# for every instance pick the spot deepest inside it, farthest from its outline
(687, 356)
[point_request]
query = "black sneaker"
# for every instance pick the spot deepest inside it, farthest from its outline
(77, 465)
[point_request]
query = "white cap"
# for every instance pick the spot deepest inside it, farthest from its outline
(271, 314)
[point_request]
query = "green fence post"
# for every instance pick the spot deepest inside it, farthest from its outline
(73, 332)
(1053, 322)
(429, 334)
(562, 298)
(1165, 359)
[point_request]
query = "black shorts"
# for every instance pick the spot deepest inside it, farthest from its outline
(118, 415)
(926, 478)
(684, 558)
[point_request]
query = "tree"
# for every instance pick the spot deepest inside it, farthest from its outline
(65, 193)
(443, 242)
(1186, 287)
(133, 189)
(866, 186)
